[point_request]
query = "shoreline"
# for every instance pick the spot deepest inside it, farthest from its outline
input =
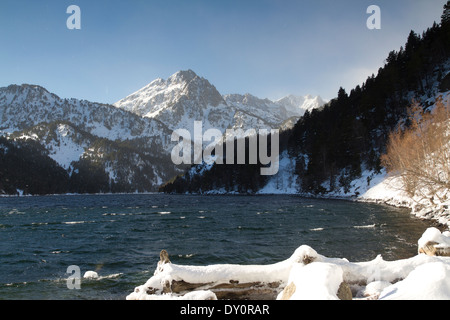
(381, 190)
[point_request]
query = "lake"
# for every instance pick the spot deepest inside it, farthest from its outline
(120, 237)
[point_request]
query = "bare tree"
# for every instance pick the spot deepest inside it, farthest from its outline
(420, 153)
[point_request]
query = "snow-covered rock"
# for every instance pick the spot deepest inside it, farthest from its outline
(90, 275)
(435, 243)
(376, 279)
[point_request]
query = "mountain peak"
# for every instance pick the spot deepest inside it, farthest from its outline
(300, 104)
(25, 87)
(186, 96)
(182, 76)
(23, 93)
(185, 73)
(161, 97)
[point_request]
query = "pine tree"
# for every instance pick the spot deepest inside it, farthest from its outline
(445, 19)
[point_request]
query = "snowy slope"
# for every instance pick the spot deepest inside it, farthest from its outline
(64, 143)
(286, 181)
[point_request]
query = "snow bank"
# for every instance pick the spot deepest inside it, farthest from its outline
(376, 279)
(309, 275)
(430, 281)
(388, 190)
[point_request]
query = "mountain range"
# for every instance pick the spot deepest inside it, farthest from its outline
(186, 97)
(127, 145)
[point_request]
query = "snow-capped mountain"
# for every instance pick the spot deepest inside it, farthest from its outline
(186, 97)
(129, 142)
(296, 106)
(179, 101)
(75, 132)
(159, 95)
(26, 105)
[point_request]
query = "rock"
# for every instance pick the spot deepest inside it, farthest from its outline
(288, 291)
(429, 248)
(344, 292)
(164, 257)
(246, 291)
(246, 294)
(442, 251)
(435, 243)
(432, 248)
(308, 259)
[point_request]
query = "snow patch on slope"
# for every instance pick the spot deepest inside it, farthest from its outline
(285, 181)
(64, 150)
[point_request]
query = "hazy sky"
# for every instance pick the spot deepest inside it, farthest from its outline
(269, 48)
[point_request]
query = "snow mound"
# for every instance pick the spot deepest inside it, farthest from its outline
(434, 235)
(372, 280)
(315, 281)
(90, 275)
(430, 281)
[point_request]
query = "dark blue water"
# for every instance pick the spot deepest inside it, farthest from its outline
(120, 237)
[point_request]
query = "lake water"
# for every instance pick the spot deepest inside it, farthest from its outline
(120, 237)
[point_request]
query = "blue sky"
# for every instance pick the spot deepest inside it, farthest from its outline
(269, 48)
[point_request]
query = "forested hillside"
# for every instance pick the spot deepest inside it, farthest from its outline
(27, 169)
(333, 145)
